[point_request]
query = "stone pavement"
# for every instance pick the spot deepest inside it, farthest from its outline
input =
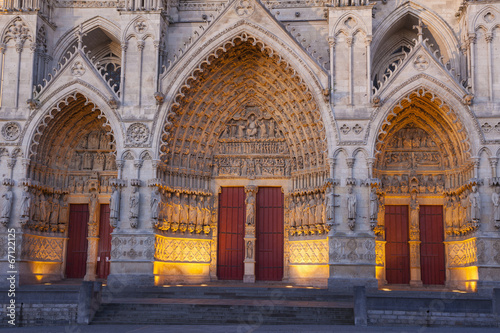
(243, 329)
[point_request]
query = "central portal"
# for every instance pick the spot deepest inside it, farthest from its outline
(269, 226)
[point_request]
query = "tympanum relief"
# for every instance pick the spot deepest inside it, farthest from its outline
(251, 145)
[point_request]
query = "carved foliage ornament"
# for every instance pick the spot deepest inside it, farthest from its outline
(137, 134)
(11, 131)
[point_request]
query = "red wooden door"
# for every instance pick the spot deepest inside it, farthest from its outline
(231, 232)
(397, 269)
(104, 250)
(269, 234)
(432, 247)
(76, 259)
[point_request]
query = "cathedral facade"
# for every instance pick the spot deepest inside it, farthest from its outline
(330, 143)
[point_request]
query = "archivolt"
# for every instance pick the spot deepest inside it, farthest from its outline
(243, 71)
(59, 130)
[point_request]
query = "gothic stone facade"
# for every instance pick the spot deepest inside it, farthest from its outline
(362, 113)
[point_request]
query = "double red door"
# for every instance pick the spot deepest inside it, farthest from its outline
(76, 259)
(432, 262)
(269, 234)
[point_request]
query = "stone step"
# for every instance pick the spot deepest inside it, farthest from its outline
(230, 313)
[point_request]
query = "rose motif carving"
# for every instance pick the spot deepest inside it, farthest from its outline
(140, 27)
(77, 69)
(137, 134)
(11, 131)
(244, 8)
(421, 62)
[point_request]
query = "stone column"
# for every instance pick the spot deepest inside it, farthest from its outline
(249, 262)
(93, 238)
(414, 242)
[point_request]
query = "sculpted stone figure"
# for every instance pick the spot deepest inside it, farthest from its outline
(93, 228)
(114, 207)
(251, 128)
(414, 217)
(495, 198)
(155, 203)
(6, 206)
(26, 204)
(54, 217)
(250, 208)
(475, 204)
(330, 204)
(373, 204)
(134, 206)
(351, 204)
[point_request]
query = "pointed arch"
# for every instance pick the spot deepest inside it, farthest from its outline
(10, 30)
(192, 64)
(51, 105)
(448, 43)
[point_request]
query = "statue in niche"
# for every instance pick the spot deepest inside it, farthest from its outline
(25, 204)
(6, 206)
(93, 140)
(54, 217)
(475, 204)
(251, 128)
(330, 204)
(291, 214)
(319, 213)
(464, 215)
(431, 186)
(44, 211)
(114, 207)
(250, 208)
(414, 216)
(351, 204)
(99, 161)
(373, 204)
(87, 161)
(184, 218)
(192, 214)
(249, 250)
(199, 214)
(440, 184)
(272, 129)
(92, 224)
(155, 203)
(448, 211)
(495, 198)
(134, 206)
(312, 209)
(63, 213)
(103, 143)
(395, 184)
(404, 184)
(168, 207)
(176, 207)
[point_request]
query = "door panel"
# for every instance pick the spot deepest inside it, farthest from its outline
(104, 250)
(231, 232)
(76, 259)
(269, 234)
(397, 249)
(432, 261)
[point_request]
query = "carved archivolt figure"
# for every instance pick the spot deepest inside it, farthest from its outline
(6, 205)
(155, 203)
(495, 198)
(373, 204)
(26, 203)
(475, 204)
(351, 204)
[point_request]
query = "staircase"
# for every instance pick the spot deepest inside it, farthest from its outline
(177, 305)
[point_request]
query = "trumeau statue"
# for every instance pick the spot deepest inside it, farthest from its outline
(351, 204)
(250, 208)
(26, 203)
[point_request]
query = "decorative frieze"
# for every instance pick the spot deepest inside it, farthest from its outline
(462, 253)
(132, 247)
(182, 250)
(351, 250)
(309, 252)
(40, 248)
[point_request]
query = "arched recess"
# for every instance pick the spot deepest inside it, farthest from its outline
(424, 160)
(72, 152)
(394, 36)
(245, 84)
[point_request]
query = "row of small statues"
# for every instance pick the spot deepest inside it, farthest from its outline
(395, 184)
(185, 212)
